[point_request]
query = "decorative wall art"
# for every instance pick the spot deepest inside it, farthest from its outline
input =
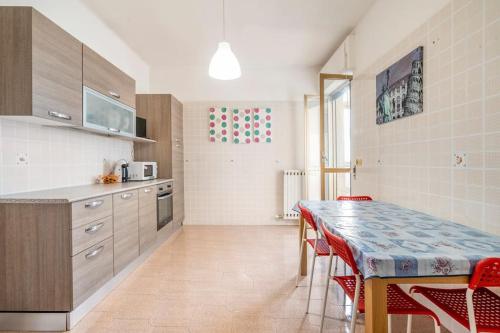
(244, 125)
(399, 88)
(262, 125)
(218, 123)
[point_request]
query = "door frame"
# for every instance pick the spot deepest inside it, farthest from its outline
(322, 78)
(307, 97)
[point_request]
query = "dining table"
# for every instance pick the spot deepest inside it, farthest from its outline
(396, 245)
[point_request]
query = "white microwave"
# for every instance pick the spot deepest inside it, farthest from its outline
(142, 170)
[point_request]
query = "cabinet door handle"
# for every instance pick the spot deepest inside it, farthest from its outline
(127, 196)
(177, 146)
(94, 253)
(114, 94)
(59, 115)
(93, 229)
(94, 204)
(177, 140)
(147, 190)
(116, 130)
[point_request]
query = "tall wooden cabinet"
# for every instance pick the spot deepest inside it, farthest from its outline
(164, 116)
(177, 160)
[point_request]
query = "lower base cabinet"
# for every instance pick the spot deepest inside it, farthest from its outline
(147, 218)
(81, 246)
(125, 228)
(92, 268)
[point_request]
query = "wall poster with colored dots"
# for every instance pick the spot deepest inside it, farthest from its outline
(245, 125)
(262, 125)
(242, 126)
(218, 123)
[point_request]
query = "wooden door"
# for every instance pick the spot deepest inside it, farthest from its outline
(147, 218)
(125, 229)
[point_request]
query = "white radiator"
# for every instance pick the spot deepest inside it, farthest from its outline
(293, 185)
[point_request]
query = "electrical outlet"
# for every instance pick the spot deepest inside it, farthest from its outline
(460, 160)
(22, 158)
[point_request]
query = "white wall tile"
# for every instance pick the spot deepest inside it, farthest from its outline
(226, 183)
(57, 157)
(461, 114)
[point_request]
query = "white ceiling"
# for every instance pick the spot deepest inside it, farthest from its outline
(263, 33)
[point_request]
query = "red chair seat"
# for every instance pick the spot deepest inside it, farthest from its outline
(322, 249)
(348, 283)
(398, 302)
(453, 302)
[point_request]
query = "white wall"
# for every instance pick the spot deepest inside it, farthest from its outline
(385, 24)
(228, 183)
(194, 84)
(410, 161)
(74, 17)
(62, 157)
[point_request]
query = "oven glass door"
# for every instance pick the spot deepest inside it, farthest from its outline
(165, 210)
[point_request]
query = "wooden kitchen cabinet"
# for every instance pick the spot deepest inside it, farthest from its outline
(177, 162)
(92, 268)
(41, 66)
(104, 77)
(164, 116)
(125, 228)
(147, 218)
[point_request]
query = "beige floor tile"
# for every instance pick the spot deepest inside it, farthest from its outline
(225, 279)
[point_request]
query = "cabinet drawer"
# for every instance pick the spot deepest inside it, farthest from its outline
(99, 74)
(90, 234)
(91, 210)
(125, 228)
(92, 268)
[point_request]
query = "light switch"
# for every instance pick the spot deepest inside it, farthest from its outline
(22, 159)
(460, 160)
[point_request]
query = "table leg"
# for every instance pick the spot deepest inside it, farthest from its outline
(303, 259)
(375, 306)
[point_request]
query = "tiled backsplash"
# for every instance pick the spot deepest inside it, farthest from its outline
(410, 161)
(54, 156)
(228, 183)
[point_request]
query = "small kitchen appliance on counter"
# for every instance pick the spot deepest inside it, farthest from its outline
(122, 170)
(143, 170)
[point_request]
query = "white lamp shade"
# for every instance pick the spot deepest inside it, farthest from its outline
(224, 65)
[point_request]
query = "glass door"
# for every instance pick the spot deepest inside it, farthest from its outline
(335, 126)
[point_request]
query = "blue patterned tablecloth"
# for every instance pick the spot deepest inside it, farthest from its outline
(391, 241)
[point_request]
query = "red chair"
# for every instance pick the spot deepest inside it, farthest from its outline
(319, 245)
(476, 307)
(398, 302)
(354, 198)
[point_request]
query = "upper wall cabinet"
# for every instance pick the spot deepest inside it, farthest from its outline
(102, 76)
(40, 68)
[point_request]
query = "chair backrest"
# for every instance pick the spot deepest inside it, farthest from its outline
(340, 247)
(355, 198)
(486, 274)
(306, 214)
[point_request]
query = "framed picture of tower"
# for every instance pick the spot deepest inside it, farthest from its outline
(400, 88)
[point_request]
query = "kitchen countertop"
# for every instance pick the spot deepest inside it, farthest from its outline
(76, 193)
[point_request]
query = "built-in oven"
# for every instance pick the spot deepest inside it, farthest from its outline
(165, 204)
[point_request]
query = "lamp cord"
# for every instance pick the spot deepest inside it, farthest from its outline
(223, 21)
